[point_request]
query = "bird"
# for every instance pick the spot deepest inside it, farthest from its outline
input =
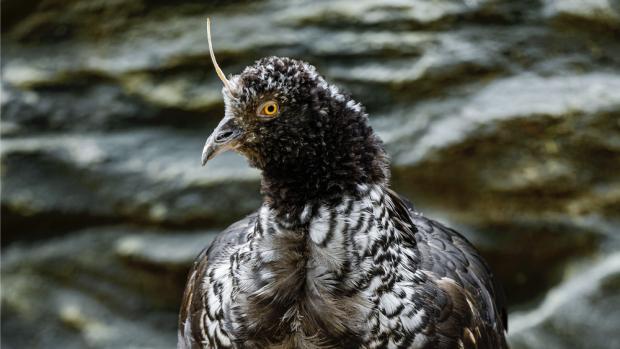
(333, 257)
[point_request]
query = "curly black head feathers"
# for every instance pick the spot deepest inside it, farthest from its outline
(310, 140)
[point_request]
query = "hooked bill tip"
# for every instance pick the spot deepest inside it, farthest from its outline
(206, 154)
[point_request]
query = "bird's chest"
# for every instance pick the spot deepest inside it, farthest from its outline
(305, 282)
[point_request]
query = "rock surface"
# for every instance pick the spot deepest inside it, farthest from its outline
(588, 301)
(113, 287)
(502, 119)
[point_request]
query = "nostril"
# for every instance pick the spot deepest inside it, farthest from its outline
(223, 136)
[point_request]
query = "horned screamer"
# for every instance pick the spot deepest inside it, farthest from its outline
(333, 258)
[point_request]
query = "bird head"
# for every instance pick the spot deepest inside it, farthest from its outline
(289, 122)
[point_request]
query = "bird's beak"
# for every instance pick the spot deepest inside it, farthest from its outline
(223, 138)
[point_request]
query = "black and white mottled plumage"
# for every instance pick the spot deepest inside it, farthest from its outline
(333, 258)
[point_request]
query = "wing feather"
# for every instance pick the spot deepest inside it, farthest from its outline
(475, 301)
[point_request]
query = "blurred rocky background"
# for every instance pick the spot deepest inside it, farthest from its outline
(502, 119)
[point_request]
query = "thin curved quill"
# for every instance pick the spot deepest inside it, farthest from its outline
(218, 70)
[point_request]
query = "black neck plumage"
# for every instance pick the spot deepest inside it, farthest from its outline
(326, 178)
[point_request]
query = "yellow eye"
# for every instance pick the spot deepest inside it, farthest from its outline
(269, 109)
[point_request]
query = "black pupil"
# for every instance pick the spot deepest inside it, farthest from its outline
(271, 109)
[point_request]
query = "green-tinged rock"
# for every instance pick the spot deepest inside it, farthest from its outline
(502, 119)
(588, 302)
(551, 147)
(105, 288)
(604, 14)
(151, 175)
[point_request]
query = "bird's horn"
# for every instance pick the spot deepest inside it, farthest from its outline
(218, 70)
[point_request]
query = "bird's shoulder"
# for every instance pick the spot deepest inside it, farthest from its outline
(458, 271)
(236, 234)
